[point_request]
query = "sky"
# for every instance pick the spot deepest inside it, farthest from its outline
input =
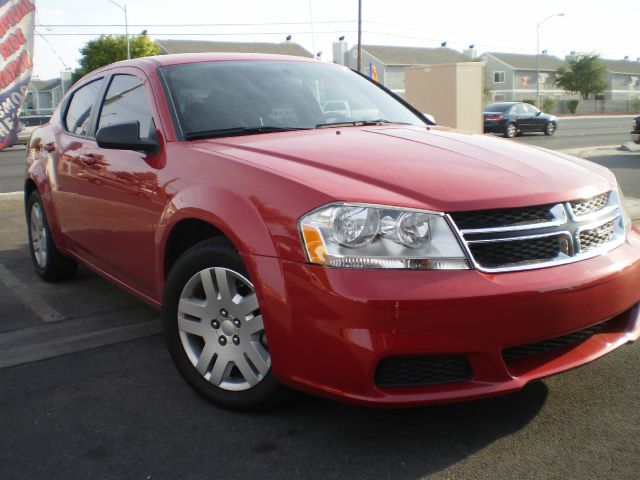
(609, 28)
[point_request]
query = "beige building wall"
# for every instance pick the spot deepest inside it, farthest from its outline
(452, 93)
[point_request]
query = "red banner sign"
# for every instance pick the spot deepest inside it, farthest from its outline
(17, 19)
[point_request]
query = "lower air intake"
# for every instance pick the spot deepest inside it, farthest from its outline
(422, 371)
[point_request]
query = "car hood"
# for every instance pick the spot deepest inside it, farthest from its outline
(434, 168)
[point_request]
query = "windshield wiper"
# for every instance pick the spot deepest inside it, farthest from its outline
(361, 123)
(236, 131)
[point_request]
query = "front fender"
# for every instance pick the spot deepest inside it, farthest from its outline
(236, 216)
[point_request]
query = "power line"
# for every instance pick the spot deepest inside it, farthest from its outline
(93, 34)
(51, 47)
(193, 24)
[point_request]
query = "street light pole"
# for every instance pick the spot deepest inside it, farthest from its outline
(538, 55)
(126, 25)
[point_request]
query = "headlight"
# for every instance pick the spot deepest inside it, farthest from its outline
(626, 218)
(373, 236)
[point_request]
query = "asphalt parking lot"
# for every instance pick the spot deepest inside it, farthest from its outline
(87, 390)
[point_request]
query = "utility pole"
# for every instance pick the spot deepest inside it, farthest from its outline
(360, 36)
(126, 25)
(538, 55)
(313, 33)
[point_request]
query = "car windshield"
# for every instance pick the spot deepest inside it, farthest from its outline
(236, 98)
(498, 107)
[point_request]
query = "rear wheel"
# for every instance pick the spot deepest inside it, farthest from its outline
(214, 329)
(550, 128)
(49, 263)
(511, 130)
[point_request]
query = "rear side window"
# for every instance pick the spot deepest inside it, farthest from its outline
(79, 111)
(126, 101)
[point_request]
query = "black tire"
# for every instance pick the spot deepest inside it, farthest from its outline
(213, 253)
(510, 130)
(52, 266)
(550, 128)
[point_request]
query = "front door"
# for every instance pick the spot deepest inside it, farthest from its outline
(126, 201)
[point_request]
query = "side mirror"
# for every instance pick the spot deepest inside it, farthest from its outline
(125, 136)
(538, 113)
(430, 117)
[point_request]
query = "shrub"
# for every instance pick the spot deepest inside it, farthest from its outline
(636, 105)
(548, 104)
(572, 105)
(530, 102)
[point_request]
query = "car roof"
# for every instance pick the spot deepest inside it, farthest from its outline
(151, 63)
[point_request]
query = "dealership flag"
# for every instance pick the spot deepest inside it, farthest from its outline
(17, 19)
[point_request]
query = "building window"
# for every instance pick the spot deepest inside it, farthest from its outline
(498, 97)
(498, 77)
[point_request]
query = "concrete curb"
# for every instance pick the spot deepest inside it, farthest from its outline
(583, 152)
(15, 148)
(570, 116)
(11, 195)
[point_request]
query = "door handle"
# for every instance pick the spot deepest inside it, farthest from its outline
(88, 159)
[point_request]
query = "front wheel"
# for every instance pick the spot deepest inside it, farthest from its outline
(550, 128)
(214, 329)
(511, 130)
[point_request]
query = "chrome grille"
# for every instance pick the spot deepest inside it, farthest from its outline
(596, 237)
(589, 205)
(505, 217)
(541, 236)
(516, 252)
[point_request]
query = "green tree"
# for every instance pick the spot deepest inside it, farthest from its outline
(107, 49)
(585, 75)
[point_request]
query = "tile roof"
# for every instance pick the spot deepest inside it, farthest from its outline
(622, 66)
(520, 61)
(44, 85)
(390, 55)
(197, 46)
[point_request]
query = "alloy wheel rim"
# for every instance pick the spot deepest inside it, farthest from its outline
(38, 235)
(221, 329)
(550, 128)
(511, 130)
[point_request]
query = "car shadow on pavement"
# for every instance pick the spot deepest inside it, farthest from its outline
(122, 411)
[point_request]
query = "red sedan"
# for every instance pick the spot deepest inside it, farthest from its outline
(361, 254)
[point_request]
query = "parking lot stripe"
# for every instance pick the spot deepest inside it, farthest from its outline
(28, 297)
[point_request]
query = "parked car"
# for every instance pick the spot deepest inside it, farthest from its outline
(515, 118)
(635, 130)
(371, 257)
(29, 123)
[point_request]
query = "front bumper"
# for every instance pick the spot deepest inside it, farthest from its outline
(635, 137)
(329, 328)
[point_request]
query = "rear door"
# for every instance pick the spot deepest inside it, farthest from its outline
(71, 184)
(126, 200)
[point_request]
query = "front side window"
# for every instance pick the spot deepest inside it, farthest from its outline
(531, 109)
(260, 95)
(78, 115)
(126, 101)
